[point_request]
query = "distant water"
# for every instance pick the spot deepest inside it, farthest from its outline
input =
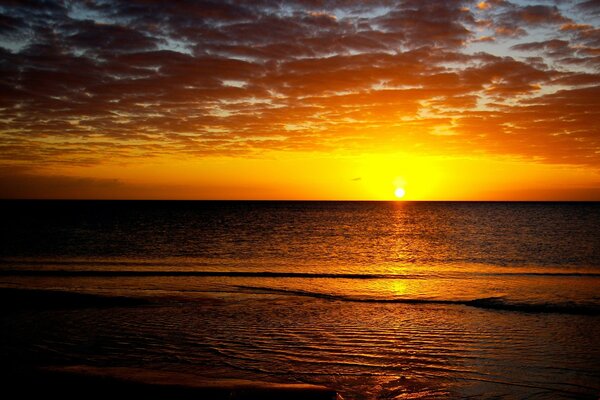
(375, 299)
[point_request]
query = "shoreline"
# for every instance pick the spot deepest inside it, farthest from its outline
(81, 381)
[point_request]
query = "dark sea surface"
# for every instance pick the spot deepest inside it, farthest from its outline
(378, 300)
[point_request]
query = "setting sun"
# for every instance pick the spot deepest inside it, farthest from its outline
(400, 193)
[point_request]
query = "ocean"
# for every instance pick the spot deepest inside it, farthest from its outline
(377, 300)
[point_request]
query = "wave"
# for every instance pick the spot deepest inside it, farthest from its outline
(19, 298)
(107, 268)
(490, 303)
(498, 303)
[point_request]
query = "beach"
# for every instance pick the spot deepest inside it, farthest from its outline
(75, 382)
(229, 310)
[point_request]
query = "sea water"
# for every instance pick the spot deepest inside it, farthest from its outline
(374, 299)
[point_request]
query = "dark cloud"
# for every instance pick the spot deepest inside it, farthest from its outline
(590, 6)
(10, 25)
(536, 15)
(28, 186)
(24, 183)
(429, 23)
(513, 20)
(552, 48)
(506, 77)
(91, 35)
(574, 44)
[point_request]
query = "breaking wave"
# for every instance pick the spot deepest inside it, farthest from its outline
(490, 303)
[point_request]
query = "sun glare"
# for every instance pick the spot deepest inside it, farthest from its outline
(400, 192)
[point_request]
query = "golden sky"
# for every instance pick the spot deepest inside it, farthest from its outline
(305, 99)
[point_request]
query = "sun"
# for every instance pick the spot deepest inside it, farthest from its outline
(400, 192)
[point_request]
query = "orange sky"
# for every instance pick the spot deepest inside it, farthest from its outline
(306, 99)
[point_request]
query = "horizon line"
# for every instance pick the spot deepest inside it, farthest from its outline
(306, 200)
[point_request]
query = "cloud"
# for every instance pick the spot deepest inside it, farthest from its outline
(484, 39)
(552, 48)
(589, 7)
(27, 183)
(93, 36)
(429, 23)
(24, 185)
(535, 15)
(109, 81)
(10, 25)
(483, 5)
(514, 20)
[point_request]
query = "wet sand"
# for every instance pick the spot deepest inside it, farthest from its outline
(96, 345)
(81, 381)
(76, 382)
(39, 299)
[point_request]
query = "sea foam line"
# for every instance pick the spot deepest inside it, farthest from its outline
(490, 303)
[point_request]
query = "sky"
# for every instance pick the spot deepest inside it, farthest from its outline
(303, 99)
